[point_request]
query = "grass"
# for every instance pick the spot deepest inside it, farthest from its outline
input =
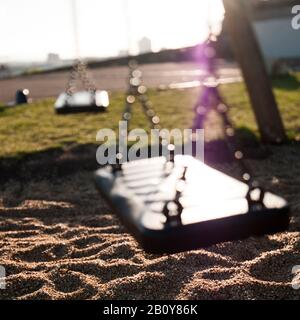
(32, 128)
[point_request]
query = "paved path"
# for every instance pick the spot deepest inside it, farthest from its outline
(111, 78)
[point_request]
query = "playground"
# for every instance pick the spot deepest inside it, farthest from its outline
(88, 212)
(59, 240)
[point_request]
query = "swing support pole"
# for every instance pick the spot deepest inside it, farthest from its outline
(75, 28)
(249, 56)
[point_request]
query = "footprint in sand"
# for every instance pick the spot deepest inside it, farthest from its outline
(85, 242)
(74, 284)
(43, 253)
(21, 285)
(118, 251)
(276, 267)
(247, 249)
(66, 281)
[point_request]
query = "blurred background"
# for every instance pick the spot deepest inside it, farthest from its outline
(43, 31)
(45, 36)
(42, 40)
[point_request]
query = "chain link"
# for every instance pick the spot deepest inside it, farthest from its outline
(79, 72)
(138, 92)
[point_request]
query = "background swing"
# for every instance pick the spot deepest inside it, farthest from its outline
(90, 99)
(179, 204)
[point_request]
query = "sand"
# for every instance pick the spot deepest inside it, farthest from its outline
(59, 240)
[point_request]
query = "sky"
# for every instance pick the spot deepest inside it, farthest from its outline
(30, 29)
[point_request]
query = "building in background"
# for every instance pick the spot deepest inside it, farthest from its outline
(123, 53)
(4, 71)
(145, 45)
(53, 59)
(279, 42)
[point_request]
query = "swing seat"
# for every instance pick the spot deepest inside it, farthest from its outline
(215, 206)
(82, 101)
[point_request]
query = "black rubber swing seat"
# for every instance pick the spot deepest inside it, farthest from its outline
(82, 101)
(214, 206)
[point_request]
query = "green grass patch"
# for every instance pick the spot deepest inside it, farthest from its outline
(32, 128)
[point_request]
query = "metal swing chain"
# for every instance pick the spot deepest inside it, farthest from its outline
(203, 106)
(247, 176)
(79, 71)
(172, 209)
(137, 92)
(222, 108)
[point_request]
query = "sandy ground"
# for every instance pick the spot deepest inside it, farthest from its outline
(110, 78)
(59, 240)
